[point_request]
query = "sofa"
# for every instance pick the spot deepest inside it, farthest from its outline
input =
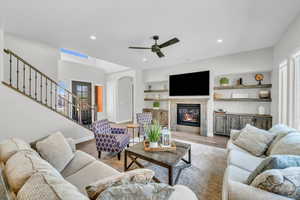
(240, 164)
(81, 171)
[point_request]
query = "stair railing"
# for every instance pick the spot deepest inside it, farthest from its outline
(31, 82)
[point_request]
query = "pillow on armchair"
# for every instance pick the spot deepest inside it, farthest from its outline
(288, 145)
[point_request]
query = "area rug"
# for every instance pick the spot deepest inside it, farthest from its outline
(204, 177)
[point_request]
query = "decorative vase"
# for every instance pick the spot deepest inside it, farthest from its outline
(153, 144)
(166, 137)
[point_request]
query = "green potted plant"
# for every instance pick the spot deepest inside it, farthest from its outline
(154, 134)
(156, 105)
(224, 81)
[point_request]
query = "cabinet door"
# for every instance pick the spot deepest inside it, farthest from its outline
(244, 120)
(263, 122)
(220, 124)
(164, 118)
(233, 122)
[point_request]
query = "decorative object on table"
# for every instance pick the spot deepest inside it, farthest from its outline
(224, 81)
(218, 95)
(159, 148)
(166, 137)
(220, 111)
(261, 110)
(259, 78)
(149, 87)
(239, 81)
(154, 134)
(156, 105)
(264, 94)
(239, 96)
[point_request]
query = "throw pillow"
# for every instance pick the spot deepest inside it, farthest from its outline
(56, 150)
(274, 162)
(21, 166)
(234, 134)
(254, 140)
(47, 187)
(137, 191)
(280, 130)
(284, 182)
(289, 144)
(11, 146)
(134, 176)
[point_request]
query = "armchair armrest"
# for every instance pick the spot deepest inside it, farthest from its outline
(118, 130)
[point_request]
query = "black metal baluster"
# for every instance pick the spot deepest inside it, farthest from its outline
(35, 85)
(55, 97)
(51, 94)
(10, 69)
(29, 81)
(41, 87)
(24, 77)
(17, 74)
(46, 93)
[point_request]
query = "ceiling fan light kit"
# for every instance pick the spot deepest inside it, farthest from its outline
(156, 48)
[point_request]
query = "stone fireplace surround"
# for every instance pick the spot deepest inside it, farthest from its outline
(203, 129)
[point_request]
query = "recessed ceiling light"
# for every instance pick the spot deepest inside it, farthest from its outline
(92, 37)
(220, 40)
(144, 59)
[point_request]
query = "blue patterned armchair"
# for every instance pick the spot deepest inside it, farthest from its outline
(110, 139)
(144, 120)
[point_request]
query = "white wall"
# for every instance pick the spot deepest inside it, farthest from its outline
(125, 100)
(70, 71)
(41, 56)
(286, 46)
(252, 61)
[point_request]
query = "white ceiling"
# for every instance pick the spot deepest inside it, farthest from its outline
(242, 24)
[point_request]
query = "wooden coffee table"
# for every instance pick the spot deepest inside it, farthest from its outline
(168, 160)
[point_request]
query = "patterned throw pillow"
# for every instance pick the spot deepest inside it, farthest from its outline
(274, 162)
(11, 146)
(254, 140)
(280, 130)
(137, 191)
(288, 145)
(285, 182)
(134, 176)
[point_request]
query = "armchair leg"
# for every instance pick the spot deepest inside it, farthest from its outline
(119, 156)
(99, 154)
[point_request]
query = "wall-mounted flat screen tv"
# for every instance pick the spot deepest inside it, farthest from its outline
(191, 84)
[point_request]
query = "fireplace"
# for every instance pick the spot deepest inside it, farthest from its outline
(188, 114)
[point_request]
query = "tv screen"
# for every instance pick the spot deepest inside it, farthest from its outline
(191, 84)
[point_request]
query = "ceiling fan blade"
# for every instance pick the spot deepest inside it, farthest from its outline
(139, 48)
(160, 54)
(168, 43)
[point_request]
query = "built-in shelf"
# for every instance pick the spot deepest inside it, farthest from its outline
(243, 87)
(152, 91)
(150, 99)
(244, 99)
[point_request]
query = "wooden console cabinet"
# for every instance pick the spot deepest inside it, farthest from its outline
(162, 116)
(224, 122)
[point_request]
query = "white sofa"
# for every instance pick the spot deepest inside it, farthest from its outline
(240, 164)
(84, 169)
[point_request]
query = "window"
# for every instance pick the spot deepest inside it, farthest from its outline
(296, 110)
(283, 92)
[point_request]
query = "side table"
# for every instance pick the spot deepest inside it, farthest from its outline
(134, 126)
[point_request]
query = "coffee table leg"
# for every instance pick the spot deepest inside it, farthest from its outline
(125, 161)
(171, 176)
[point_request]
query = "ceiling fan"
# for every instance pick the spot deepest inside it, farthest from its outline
(156, 47)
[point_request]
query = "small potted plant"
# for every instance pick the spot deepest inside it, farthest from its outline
(154, 134)
(156, 105)
(224, 81)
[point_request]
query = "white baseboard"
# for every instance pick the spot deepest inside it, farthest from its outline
(84, 139)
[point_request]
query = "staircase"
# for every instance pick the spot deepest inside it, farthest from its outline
(27, 80)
